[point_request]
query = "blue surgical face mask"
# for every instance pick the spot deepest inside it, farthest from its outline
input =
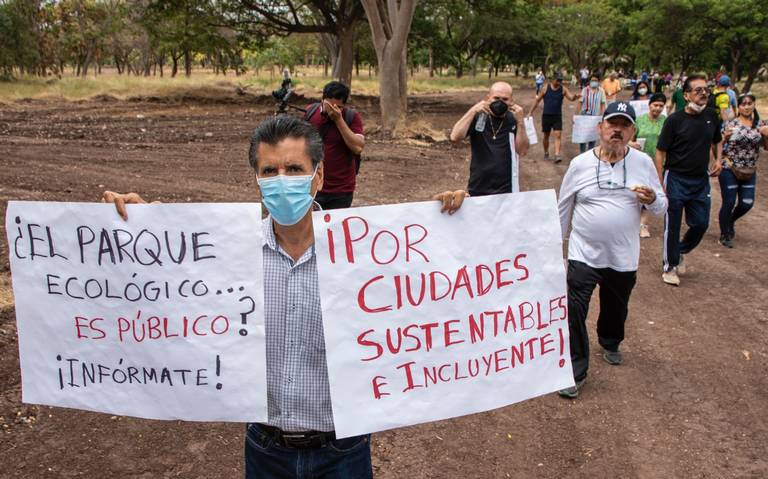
(593, 84)
(287, 198)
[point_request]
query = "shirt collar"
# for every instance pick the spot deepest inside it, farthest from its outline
(270, 241)
(269, 233)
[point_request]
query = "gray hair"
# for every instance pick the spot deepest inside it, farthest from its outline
(274, 130)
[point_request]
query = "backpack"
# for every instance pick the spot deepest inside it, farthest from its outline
(349, 116)
(712, 100)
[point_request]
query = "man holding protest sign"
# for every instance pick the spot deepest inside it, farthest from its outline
(601, 197)
(298, 439)
(497, 136)
(286, 154)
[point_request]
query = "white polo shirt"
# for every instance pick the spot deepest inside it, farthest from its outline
(604, 211)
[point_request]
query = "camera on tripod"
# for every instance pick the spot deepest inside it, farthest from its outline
(284, 94)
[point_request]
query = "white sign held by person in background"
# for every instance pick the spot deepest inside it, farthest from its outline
(440, 315)
(159, 317)
(585, 128)
(515, 164)
(530, 130)
(642, 107)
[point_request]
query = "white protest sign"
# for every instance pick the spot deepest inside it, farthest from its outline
(642, 107)
(585, 128)
(515, 164)
(159, 317)
(440, 315)
(530, 130)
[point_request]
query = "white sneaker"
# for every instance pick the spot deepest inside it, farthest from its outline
(681, 266)
(670, 277)
(644, 233)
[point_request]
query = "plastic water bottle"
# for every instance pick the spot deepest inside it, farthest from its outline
(480, 123)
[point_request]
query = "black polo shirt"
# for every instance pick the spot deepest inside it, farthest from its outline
(687, 139)
(490, 171)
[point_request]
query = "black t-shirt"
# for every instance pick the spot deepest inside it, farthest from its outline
(490, 170)
(688, 140)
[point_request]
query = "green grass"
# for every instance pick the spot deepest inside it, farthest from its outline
(307, 81)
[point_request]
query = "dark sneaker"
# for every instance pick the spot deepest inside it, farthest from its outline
(558, 158)
(573, 391)
(546, 155)
(726, 241)
(613, 358)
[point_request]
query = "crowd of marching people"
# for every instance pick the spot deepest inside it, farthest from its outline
(742, 134)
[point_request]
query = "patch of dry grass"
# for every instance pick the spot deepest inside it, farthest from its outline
(307, 81)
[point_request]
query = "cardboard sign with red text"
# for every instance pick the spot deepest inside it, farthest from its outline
(429, 316)
(159, 317)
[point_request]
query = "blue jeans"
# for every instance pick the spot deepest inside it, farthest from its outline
(732, 189)
(348, 458)
(689, 195)
(586, 146)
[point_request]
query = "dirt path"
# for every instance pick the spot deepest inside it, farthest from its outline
(690, 400)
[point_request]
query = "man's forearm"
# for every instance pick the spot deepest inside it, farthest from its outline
(354, 141)
(659, 163)
(521, 140)
(461, 127)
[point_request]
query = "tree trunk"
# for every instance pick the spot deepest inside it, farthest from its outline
(735, 57)
(390, 24)
(357, 62)
(751, 75)
(431, 63)
(345, 59)
(389, 92)
(187, 63)
(174, 66)
(403, 86)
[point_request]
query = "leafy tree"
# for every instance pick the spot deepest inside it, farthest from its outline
(581, 31)
(334, 20)
(741, 35)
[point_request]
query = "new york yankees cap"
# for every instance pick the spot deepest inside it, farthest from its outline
(620, 108)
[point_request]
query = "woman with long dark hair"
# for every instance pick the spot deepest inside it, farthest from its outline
(642, 91)
(743, 136)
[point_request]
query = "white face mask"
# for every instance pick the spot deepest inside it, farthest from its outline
(642, 91)
(696, 107)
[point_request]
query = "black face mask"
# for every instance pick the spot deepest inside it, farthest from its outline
(498, 108)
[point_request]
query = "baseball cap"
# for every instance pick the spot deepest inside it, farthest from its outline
(620, 108)
(559, 76)
(725, 80)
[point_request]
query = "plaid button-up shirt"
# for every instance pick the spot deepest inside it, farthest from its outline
(299, 397)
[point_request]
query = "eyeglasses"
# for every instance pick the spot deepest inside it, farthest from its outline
(609, 184)
(700, 90)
